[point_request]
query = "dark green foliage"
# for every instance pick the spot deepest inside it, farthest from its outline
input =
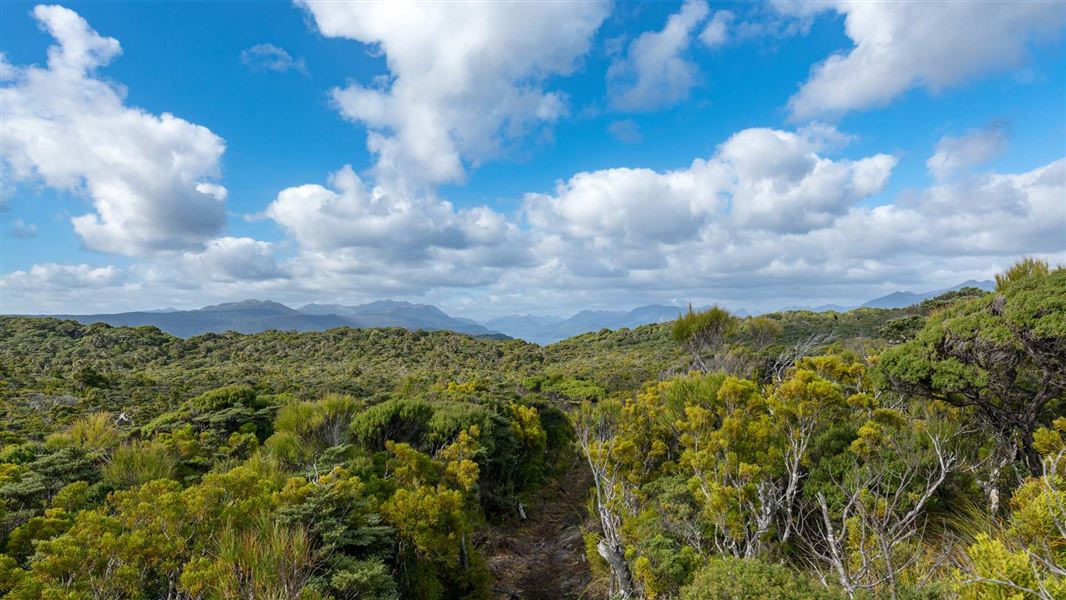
(342, 519)
(150, 373)
(902, 329)
(397, 420)
(47, 526)
(45, 475)
(1003, 354)
(577, 390)
(728, 578)
(703, 333)
(376, 463)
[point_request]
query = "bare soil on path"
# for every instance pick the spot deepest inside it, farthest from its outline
(543, 557)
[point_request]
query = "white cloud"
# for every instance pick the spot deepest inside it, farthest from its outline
(654, 73)
(716, 33)
(226, 268)
(758, 180)
(625, 130)
(903, 45)
(709, 225)
(272, 58)
(769, 220)
(23, 230)
(233, 259)
(49, 278)
(144, 174)
(353, 215)
(464, 79)
(955, 154)
(780, 183)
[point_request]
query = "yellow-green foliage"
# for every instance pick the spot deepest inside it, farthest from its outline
(713, 324)
(728, 578)
(366, 463)
(134, 464)
(1024, 269)
(266, 561)
(94, 434)
(997, 573)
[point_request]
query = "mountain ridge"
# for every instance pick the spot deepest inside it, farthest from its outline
(252, 315)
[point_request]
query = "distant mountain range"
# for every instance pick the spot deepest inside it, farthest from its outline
(903, 299)
(549, 329)
(251, 316)
(898, 299)
(390, 313)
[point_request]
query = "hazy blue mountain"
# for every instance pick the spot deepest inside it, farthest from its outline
(985, 284)
(904, 299)
(522, 326)
(391, 313)
(546, 330)
(818, 309)
(652, 313)
(249, 316)
(897, 300)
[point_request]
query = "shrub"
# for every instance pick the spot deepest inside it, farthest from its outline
(728, 578)
(136, 464)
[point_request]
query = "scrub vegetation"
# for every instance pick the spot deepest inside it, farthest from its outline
(902, 453)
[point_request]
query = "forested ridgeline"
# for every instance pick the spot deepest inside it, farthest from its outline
(905, 453)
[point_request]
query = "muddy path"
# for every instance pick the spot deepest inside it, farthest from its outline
(543, 557)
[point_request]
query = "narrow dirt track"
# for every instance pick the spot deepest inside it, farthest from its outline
(544, 557)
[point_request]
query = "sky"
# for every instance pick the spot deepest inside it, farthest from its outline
(504, 157)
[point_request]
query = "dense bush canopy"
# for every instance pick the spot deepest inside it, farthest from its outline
(906, 453)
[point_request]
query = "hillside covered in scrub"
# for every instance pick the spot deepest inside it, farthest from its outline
(876, 453)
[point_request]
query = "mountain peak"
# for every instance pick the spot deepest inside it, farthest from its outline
(250, 304)
(900, 299)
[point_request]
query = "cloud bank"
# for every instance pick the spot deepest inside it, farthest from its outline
(768, 216)
(148, 177)
(464, 78)
(903, 45)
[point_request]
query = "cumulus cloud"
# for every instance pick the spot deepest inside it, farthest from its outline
(624, 233)
(772, 217)
(233, 259)
(626, 252)
(354, 235)
(224, 269)
(272, 58)
(147, 176)
(779, 182)
(49, 287)
(955, 154)
(354, 215)
(654, 72)
(903, 45)
(716, 33)
(67, 276)
(994, 216)
(23, 230)
(464, 79)
(759, 179)
(640, 228)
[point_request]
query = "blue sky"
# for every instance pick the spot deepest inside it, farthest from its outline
(541, 161)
